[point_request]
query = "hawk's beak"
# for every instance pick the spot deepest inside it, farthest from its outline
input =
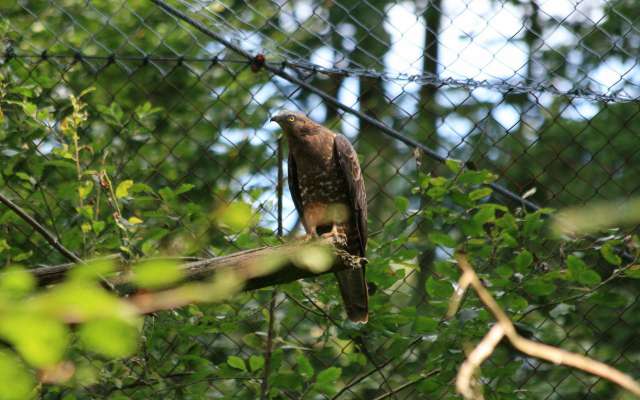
(274, 119)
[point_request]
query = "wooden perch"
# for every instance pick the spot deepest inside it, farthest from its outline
(261, 267)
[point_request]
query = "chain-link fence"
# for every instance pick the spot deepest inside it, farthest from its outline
(543, 94)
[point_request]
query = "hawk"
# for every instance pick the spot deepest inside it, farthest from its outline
(328, 192)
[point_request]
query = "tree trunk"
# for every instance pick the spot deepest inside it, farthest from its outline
(427, 127)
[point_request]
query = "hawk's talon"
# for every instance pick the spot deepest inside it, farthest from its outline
(335, 237)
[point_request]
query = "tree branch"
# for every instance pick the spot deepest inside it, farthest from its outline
(258, 268)
(264, 387)
(49, 237)
(534, 349)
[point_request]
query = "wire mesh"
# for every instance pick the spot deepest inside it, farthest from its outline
(544, 94)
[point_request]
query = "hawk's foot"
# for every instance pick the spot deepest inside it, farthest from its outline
(306, 238)
(336, 238)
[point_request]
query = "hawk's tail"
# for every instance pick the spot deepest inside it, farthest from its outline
(353, 288)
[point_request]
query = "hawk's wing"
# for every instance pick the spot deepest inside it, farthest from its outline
(352, 283)
(348, 160)
(294, 188)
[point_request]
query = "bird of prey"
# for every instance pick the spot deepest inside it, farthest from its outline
(328, 192)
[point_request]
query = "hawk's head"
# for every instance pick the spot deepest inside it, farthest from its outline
(295, 123)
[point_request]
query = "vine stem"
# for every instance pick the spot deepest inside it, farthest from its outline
(48, 236)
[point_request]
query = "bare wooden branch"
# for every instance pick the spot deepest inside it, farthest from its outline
(482, 351)
(258, 268)
(529, 347)
(48, 236)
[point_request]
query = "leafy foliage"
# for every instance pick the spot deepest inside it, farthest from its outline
(147, 159)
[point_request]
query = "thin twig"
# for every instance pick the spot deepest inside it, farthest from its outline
(49, 212)
(458, 296)
(407, 385)
(359, 342)
(578, 297)
(299, 304)
(264, 387)
(540, 350)
(48, 236)
(372, 371)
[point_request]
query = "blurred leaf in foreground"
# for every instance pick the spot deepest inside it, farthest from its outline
(236, 216)
(596, 217)
(110, 337)
(156, 274)
(15, 381)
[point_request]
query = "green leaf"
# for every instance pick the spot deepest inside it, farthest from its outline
(256, 362)
(60, 163)
(134, 220)
(575, 265)
(402, 203)
(236, 362)
(92, 270)
(16, 282)
(504, 271)
(26, 177)
(123, 188)
(252, 340)
(235, 216)
(184, 188)
(167, 194)
(532, 224)
(438, 289)
(29, 108)
(608, 252)
(286, 380)
(508, 240)
(442, 239)
(480, 193)
(425, 325)
(523, 260)
(98, 226)
(429, 386)
(304, 366)
(314, 258)
(453, 165)
(40, 340)
(438, 181)
(111, 337)
(515, 303)
(83, 299)
(609, 298)
(329, 376)
(539, 287)
(633, 272)
(141, 188)
(581, 273)
(484, 215)
(437, 192)
(589, 277)
(16, 381)
(85, 189)
(470, 177)
(156, 274)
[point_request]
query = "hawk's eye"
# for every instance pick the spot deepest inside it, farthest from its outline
(291, 118)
